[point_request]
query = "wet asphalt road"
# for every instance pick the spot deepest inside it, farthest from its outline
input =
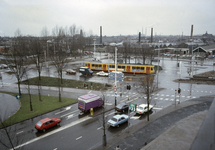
(78, 131)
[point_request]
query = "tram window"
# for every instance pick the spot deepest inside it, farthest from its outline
(151, 68)
(133, 68)
(112, 66)
(85, 64)
(138, 68)
(96, 65)
(100, 65)
(123, 67)
(93, 65)
(119, 66)
(142, 68)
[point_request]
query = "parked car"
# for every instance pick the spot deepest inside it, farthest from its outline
(117, 120)
(102, 73)
(85, 71)
(47, 123)
(70, 71)
(155, 60)
(143, 108)
(95, 59)
(122, 107)
(3, 66)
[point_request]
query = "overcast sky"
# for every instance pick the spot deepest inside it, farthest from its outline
(125, 17)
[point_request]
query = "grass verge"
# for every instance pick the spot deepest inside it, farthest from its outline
(53, 82)
(47, 104)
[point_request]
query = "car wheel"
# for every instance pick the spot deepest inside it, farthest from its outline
(58, 124)
(123, 110)
(44, 130)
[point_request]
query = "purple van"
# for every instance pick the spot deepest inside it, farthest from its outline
(85, 102)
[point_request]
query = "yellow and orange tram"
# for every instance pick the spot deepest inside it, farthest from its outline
(129, 68)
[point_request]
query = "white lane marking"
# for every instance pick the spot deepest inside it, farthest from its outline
(70, 116)
(134, 118)
(157, 108)
(99, 128)
(108, 104)
(109, 114)
(166, 99)
(90, 91)
(19, 132)
(55, 149)
(167, 95)
(54, 131)
(79, 138)
(67, 108)
(68, 113)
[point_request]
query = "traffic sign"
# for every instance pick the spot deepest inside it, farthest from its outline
(118, 74)
(132, 107)
(18, 96)
(118, 79)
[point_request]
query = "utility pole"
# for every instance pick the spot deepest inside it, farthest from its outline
(115, 73)
(192, 46)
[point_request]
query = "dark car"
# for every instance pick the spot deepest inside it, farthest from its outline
(122, 107)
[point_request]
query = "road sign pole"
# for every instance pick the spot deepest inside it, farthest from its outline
(175, 97)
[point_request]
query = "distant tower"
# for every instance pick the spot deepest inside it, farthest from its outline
(139, 37)
(151, 35)
(146, 31)
(191, 36)
(81, 34)
(100, 34)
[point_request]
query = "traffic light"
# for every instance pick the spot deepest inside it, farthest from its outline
(179, 90)
(128, 87)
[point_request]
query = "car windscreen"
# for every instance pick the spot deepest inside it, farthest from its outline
(114, 119)
(141, 108)
(39, 123)
(120, 105)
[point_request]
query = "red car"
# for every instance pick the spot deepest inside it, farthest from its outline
(47, 123)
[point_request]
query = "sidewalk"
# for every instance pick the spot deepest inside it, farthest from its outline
(171, 128)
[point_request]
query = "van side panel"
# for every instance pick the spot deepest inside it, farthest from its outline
(92, 104)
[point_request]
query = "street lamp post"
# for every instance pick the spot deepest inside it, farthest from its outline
(115, 72)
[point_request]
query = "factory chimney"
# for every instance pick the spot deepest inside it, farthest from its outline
(139, 37)
(151, 35)
(100, 34)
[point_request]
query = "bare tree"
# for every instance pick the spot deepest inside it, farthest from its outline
(8, 136)
(17, 59)
(148, 87)
(144, 53)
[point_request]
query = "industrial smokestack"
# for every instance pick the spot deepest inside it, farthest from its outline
(139, 36)
(151, 35)
(191, 36)
(100, 34)
(81, 34)
(145, 31)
